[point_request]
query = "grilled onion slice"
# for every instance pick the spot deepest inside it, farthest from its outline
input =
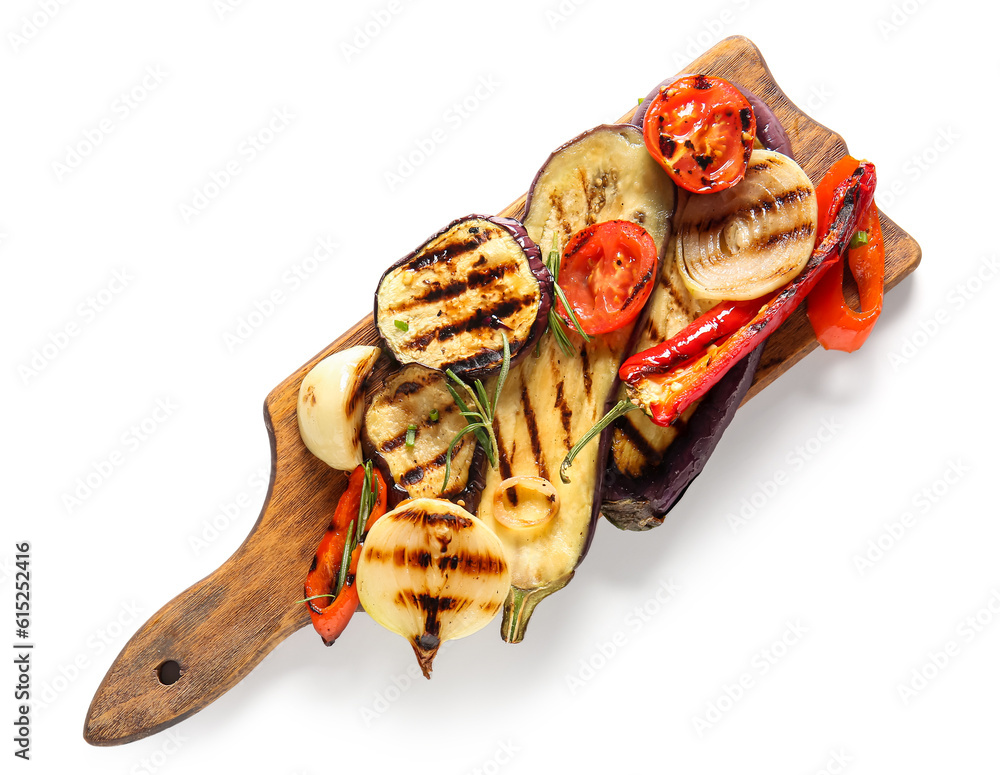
(752, 238)
(431, 571)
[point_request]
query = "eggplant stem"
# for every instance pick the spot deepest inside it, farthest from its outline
(520, 603)
(620, 409)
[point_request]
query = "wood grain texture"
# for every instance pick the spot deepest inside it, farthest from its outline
(219, 629)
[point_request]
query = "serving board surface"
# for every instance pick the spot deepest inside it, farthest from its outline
(220, 628)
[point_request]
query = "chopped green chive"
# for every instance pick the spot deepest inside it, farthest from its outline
(435, 416)
(411, 435)
(860, 238)
(402, 325)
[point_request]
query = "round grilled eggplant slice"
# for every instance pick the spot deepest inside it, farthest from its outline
(605, 174)
(445, 305)
(408, 427)
(641, 504)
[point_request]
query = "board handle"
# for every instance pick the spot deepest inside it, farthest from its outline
(205, 640)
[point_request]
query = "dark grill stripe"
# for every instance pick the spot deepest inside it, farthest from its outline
(450, 290)
(678, 300)
(446, 253)
(408, 389)
(533, 438)
(486, 318)
(755, 209)
(456, 521)
(565, 414)
(588, 378)
(638, 287)
(393, 443)
(797, 232)
(634, 437)
(411, 477)
(505, 470)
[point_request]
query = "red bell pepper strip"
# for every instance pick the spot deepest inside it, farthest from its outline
(837, 325)
(664, 394)
(839, 171)
(330, 614)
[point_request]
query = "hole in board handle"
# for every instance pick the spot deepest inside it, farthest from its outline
(169, 672)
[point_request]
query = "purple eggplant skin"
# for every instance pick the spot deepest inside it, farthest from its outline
(487, 363)
(642, 504)
(770, 132)
(583, 135)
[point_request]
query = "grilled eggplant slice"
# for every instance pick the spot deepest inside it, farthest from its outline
(416, 407)
(550, 401)
(603, 175)
(444, 305)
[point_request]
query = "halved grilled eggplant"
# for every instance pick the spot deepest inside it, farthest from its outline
(637, 444)
(408, 427)
(444, 305)
(650, 467)
(550, 401)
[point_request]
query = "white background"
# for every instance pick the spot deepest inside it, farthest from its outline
(909, 85)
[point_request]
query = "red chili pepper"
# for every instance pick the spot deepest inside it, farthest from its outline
(665, 391)
(837, 325)
(720, 321)
(331, 618)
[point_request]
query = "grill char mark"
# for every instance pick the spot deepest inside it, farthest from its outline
(450, 290)
(789, 197)
(486, 318)
(416, 474)
(565, 414)
(446, 253)
(455, 521)
(533, 437)
(634, 437)
(588, 378)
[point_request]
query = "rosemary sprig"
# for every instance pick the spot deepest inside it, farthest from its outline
(479, 410)
(620, 409)
(556, 323)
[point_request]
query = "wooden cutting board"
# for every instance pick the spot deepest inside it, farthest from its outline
(216, 632)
